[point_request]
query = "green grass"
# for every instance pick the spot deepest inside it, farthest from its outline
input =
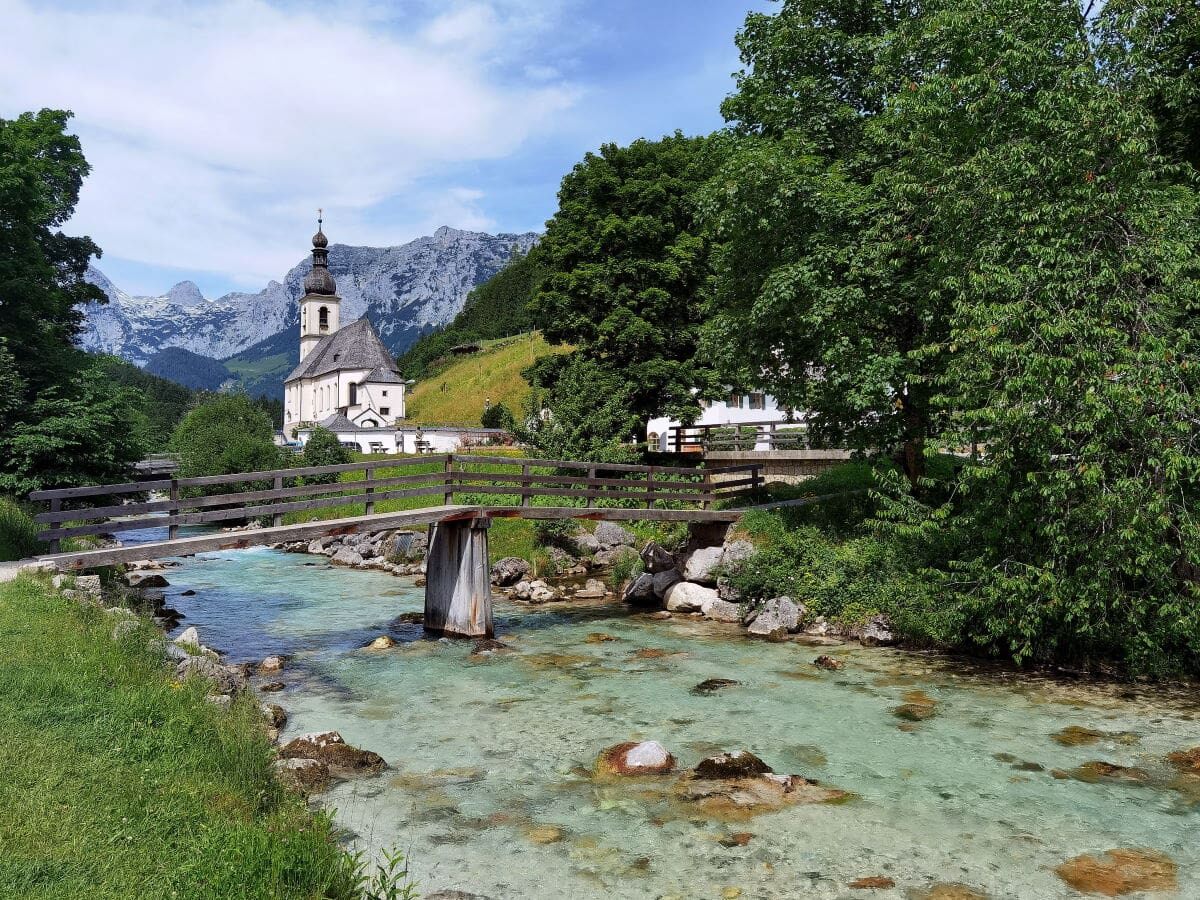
(18, 533)
(120, 784)
(454, 391)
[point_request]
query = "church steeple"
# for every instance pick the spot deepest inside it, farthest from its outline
(320, 306)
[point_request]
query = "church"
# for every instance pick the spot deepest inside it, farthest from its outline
(346, 381)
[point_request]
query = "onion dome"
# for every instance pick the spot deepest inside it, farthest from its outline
(320, 280)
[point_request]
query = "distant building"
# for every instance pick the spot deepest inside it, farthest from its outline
(738, 408)
(347, 380)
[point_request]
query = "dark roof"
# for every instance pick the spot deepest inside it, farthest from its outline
(355, 346)
(383, 376)
(320, 281)
(337, 422)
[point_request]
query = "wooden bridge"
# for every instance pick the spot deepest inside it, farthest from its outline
(458, 589)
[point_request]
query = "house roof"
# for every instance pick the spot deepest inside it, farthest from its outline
(381, 375)
(355, 346)
(338, 423)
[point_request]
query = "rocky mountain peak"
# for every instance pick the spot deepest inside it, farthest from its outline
(185, 293)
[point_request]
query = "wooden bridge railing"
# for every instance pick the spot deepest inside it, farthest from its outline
(739, 436)
(113, 508)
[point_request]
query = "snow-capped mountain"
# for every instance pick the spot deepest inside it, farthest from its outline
(403, 290)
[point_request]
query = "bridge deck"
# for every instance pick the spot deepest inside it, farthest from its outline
(237, 540)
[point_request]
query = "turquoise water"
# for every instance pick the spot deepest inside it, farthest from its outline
(491, 756)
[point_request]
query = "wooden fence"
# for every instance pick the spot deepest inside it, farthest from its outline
(739, 436)
(113, 508)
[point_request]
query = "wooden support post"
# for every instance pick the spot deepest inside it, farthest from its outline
(173, 530)
(591, 491)
(526, 487)
(650, 487)
(708, 486)
(55, 506)
(448, 496)
(277, 519)
(458, 588)
(368, 477)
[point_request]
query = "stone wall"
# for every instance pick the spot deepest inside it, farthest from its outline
(788, 466)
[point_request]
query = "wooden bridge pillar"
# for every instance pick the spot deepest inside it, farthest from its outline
(458, 586)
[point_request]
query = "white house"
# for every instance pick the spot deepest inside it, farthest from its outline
(347, 380)
(736, 409)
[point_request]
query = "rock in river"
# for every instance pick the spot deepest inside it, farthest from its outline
(329, 748)
(702, 565)
(1187, 761)
(656, 558)
(303, 774)
(777, 618)
(509, 571)
(1119, 872)
(634, 758)
(827, 662)
(712, 685)
(688, 597)
(738, 764)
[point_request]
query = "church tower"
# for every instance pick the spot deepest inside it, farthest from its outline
(320, 312)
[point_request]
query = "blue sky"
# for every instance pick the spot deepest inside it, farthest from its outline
(216, 128)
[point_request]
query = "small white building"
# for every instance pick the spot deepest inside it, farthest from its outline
(667, 435)
(345, 373)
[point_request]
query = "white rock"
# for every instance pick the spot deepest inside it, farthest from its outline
(701, 566)
(648, 755)
(189, 636)
(346, 557)
(688, 597)
(721, 611)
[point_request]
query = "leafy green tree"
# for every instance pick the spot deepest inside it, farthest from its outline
(165, 402)
(498, 415)
(82, 432)
(324, 449)
(42, 270)
(225, 434)
(624, 263)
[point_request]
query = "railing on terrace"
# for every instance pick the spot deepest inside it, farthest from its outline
(739, 436)
(505, 481)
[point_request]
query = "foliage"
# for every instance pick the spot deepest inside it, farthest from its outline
(18, 533)
(554, 533)
(625, 567)
(42, 270)
(324, 449)
(84, 431)
(495, 309)
(389, 881)
(498, 416)
(164, 403)
(101, 749)
(222, 435)
(624, 261)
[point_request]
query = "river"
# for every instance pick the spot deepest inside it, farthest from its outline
(490, 790)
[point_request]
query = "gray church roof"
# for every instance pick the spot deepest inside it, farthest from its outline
(339, 424)
(383, 376)
(355, 346)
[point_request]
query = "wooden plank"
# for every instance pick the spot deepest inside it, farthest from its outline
(570, 464)
(209, 480)
(237, 540)
(173, 530)
(612, 513)
(100, 490)
(694, 497)
(223, 515)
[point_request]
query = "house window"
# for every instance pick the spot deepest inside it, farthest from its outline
(385, 410)
(353, 394)
(323, 318)
(758, 401)
(384, 393)
(734, 401)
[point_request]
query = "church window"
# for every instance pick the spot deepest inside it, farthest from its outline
(385, 393)
(385, 410)
(353, 394)
(323, 318)
(369, 423)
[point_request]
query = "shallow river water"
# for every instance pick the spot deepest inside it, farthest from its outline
(490, 790)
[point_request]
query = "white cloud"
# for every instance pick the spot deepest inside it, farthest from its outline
(215, 129)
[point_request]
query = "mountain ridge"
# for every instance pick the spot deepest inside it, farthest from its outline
(403, 290)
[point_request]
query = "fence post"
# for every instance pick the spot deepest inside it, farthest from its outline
(448, 496)
(678, 429)
(55, 506)
(277, 519)
(707, 484)
(590, 488)
(368, 477)
(526, 487)
(650, 487)
(173, 530)
(756, 478)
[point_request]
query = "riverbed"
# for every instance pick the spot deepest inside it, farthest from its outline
(490, 790)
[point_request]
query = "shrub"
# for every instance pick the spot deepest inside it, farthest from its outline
(498, 416)
(324, 449)
(18, 533)
(554, 533)
(223, 435)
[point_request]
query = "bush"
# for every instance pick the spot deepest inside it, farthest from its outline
(324, 449)
(18, 533)
(498, 416)
(223, 435)
(554, 533)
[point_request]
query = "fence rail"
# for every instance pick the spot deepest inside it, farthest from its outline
(739, 436)
(99, 509)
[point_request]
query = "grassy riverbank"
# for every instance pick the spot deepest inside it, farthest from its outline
(119, 783)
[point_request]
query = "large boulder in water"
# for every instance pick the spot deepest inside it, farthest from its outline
(640, 590)
(688, 597)
(777, 618)
(610, 534)
(329, 748)
(347, 556)
(877, 633)
(635, 758)
(738, 764)
(509, 571)
(664, 581)
(1119, 872)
